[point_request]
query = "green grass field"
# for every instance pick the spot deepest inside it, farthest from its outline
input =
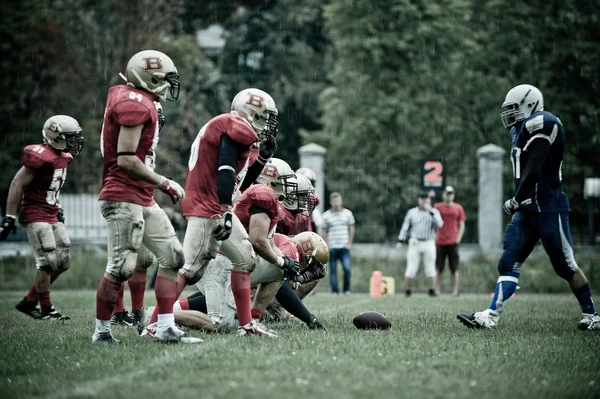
(536, 353)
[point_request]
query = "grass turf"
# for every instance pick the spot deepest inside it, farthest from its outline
(536, 353)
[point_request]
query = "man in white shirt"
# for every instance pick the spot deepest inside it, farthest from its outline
(338, 230)
(418, 230)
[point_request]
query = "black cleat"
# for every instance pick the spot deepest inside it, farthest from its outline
(104, 338)
(53, 315)
(137, 316)
(468, 319)
(315, 324)
(31, 309)
(122, 318)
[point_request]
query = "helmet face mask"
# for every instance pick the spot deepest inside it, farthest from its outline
(520, 102)
(305, 195)
(278, 175)
(63, 133)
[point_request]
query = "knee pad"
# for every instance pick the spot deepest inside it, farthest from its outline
(508, 264)
(174, 258)
(64, 263)
(144, 260)
(47, 262)
(193, 272)
(247, 265)
(563, 270)
(124, 267)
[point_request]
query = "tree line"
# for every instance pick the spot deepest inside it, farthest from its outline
(381, 84)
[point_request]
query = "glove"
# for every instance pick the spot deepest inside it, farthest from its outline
(8, 224)
(290, 266)
(316, 272)
(315, 324)
(61, 215)
(267, 147)
(222, 231)
(511, 206)
(171, 188)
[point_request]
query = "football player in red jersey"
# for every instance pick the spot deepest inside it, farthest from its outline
(129, 137)
(37, 186)
(294, 213)
(222, 150)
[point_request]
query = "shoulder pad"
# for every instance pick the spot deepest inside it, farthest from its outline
(240, 131)
(133, 108)
(263, 197)
(35, 156)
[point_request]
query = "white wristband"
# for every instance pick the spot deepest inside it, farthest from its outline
(280, 261)
(11, 216)
(162, 180)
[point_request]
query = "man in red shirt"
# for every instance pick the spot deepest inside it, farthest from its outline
(128, 140)
(448, 237)
(37, 187)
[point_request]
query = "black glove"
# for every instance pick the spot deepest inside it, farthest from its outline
(60, 215)
(267, 147)
(222, 231)
(511, 206)
(8, 224)
(316, 272)
(290, 267)
(315, 324)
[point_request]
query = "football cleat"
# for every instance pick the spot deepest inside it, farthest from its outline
(486, 319)
(53, 314)
(122, 318)
(137, 315)
(104, 338)
(173, 334)
(29, 308)
(315, 324)
(254, 328)
(589, 322)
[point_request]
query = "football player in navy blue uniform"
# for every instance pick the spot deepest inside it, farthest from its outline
(540, 208)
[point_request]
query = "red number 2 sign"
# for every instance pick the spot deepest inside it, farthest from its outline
(433, 174)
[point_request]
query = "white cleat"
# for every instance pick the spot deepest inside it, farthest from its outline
(103, 338)
(174, 334)
(254, 328)
(485, 319)
(589, 322)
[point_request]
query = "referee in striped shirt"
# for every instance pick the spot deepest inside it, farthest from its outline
(418, 230)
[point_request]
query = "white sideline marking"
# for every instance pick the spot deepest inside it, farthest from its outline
(96, 387)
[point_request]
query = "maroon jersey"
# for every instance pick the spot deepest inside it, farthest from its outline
(201, 197)
(41, 196)
(287, 246)
(291, 223)
(127, 106)
(260, 196)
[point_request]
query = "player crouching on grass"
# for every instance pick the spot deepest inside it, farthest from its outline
(540, 208)
(37, 186)
(213, 307)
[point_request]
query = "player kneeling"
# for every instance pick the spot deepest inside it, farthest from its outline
(37, 185)
(213, 307)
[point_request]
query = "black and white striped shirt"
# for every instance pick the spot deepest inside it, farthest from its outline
(420, 224)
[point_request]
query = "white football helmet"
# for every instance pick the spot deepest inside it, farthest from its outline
(312, 176)
(306, 200)
(63, 133)
(154, 72)
(312, 248)
(278, 175)
(520, 102)
(259, 109)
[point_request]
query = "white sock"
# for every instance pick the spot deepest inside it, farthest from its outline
(102, 326)
(165, 320)
(176, 306)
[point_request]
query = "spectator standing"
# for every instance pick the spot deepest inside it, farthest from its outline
(338, 230)
(448, 238)
(418, 229)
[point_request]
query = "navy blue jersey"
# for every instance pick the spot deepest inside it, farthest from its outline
(546, 195)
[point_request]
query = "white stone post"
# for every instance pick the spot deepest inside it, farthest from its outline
(489, 223)
(313, 156)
